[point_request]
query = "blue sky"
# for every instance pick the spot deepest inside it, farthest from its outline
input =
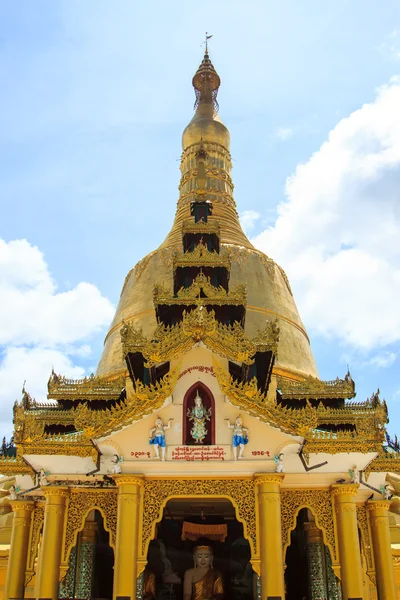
(95, 96)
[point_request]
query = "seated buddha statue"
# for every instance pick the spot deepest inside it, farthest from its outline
(203, 582)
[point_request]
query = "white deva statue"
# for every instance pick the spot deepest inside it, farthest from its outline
(116, 461)
(240, 437)
(43, 477)
(280, 467)
(157, 437)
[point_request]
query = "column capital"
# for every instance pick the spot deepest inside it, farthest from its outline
(129, 479)
(55, 491)
(339, 490)
(268, 478)
(374, 506)
(25, 505)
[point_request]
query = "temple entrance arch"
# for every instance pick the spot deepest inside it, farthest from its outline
(239, 491)
(207, 520)
(90, 569)
(209, 404)
(309, 572)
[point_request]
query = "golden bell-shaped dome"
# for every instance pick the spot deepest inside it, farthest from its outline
(269, 295)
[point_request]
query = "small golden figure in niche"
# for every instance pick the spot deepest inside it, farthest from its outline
(203, 582)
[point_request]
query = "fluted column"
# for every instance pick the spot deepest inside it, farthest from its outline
(316, 562)
(269, 510)
(53, 535)
(15, 581)
(378, 515)
(125, 566)
(349, 546)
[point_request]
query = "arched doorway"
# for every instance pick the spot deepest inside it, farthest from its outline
(208, 403)
(91, 562)
(184, 522)
(309, 572)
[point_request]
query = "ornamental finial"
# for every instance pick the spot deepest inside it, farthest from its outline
(206, 81)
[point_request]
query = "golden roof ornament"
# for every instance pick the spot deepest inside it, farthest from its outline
(206, 82)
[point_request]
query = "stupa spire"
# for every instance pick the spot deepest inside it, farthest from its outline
(206, 82)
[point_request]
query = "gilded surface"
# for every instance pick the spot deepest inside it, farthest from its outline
(80, 504)
(36, 529)
(248, 397)
(168, 343)
(319, 502)
(362, 522)
(88, 388)
(314, 389)
(201, 256)
(201, 227)
(193, 294)
(140, 401)
(241, 492)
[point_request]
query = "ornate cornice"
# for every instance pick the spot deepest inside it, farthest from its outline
(89, 388)
(199, 324)
(55, 492)
(14, 466)
(139, 402)
(341, 489)
(375, 505)
(246, 396)
(26, 505)
(201, 292)
(268, 478)
(201, 257)
(125, 479)
(201, 227)
(312, 388)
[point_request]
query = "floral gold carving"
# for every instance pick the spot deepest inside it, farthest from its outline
(362, 521)
(320, 504)
(240, 491)
(36, 528)
(81, 502)
(168, 343)
(140, 401)
(88, 388)
(193, 294)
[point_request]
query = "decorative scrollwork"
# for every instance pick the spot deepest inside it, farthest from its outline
(200, 292)
(320, 504)
(201, 256)
(362, 521)
(240, 491)
(312, 388)
(88, 388)
(199, 324)
(81, 502)
(36, 529)
(247, 397)
(140, 401)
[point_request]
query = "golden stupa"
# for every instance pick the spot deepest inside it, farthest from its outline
(269, 296)
(206, 419)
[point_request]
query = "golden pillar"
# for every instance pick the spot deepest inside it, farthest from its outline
(269, 511)
(349, 545)
(379, 520)
(127, 542)
(15, 582)
(53, 536)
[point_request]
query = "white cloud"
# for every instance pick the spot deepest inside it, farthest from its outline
(41, 328)
(248, 219)
(382, 361)
(31, 309)
(337, 231)
(284, 133)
